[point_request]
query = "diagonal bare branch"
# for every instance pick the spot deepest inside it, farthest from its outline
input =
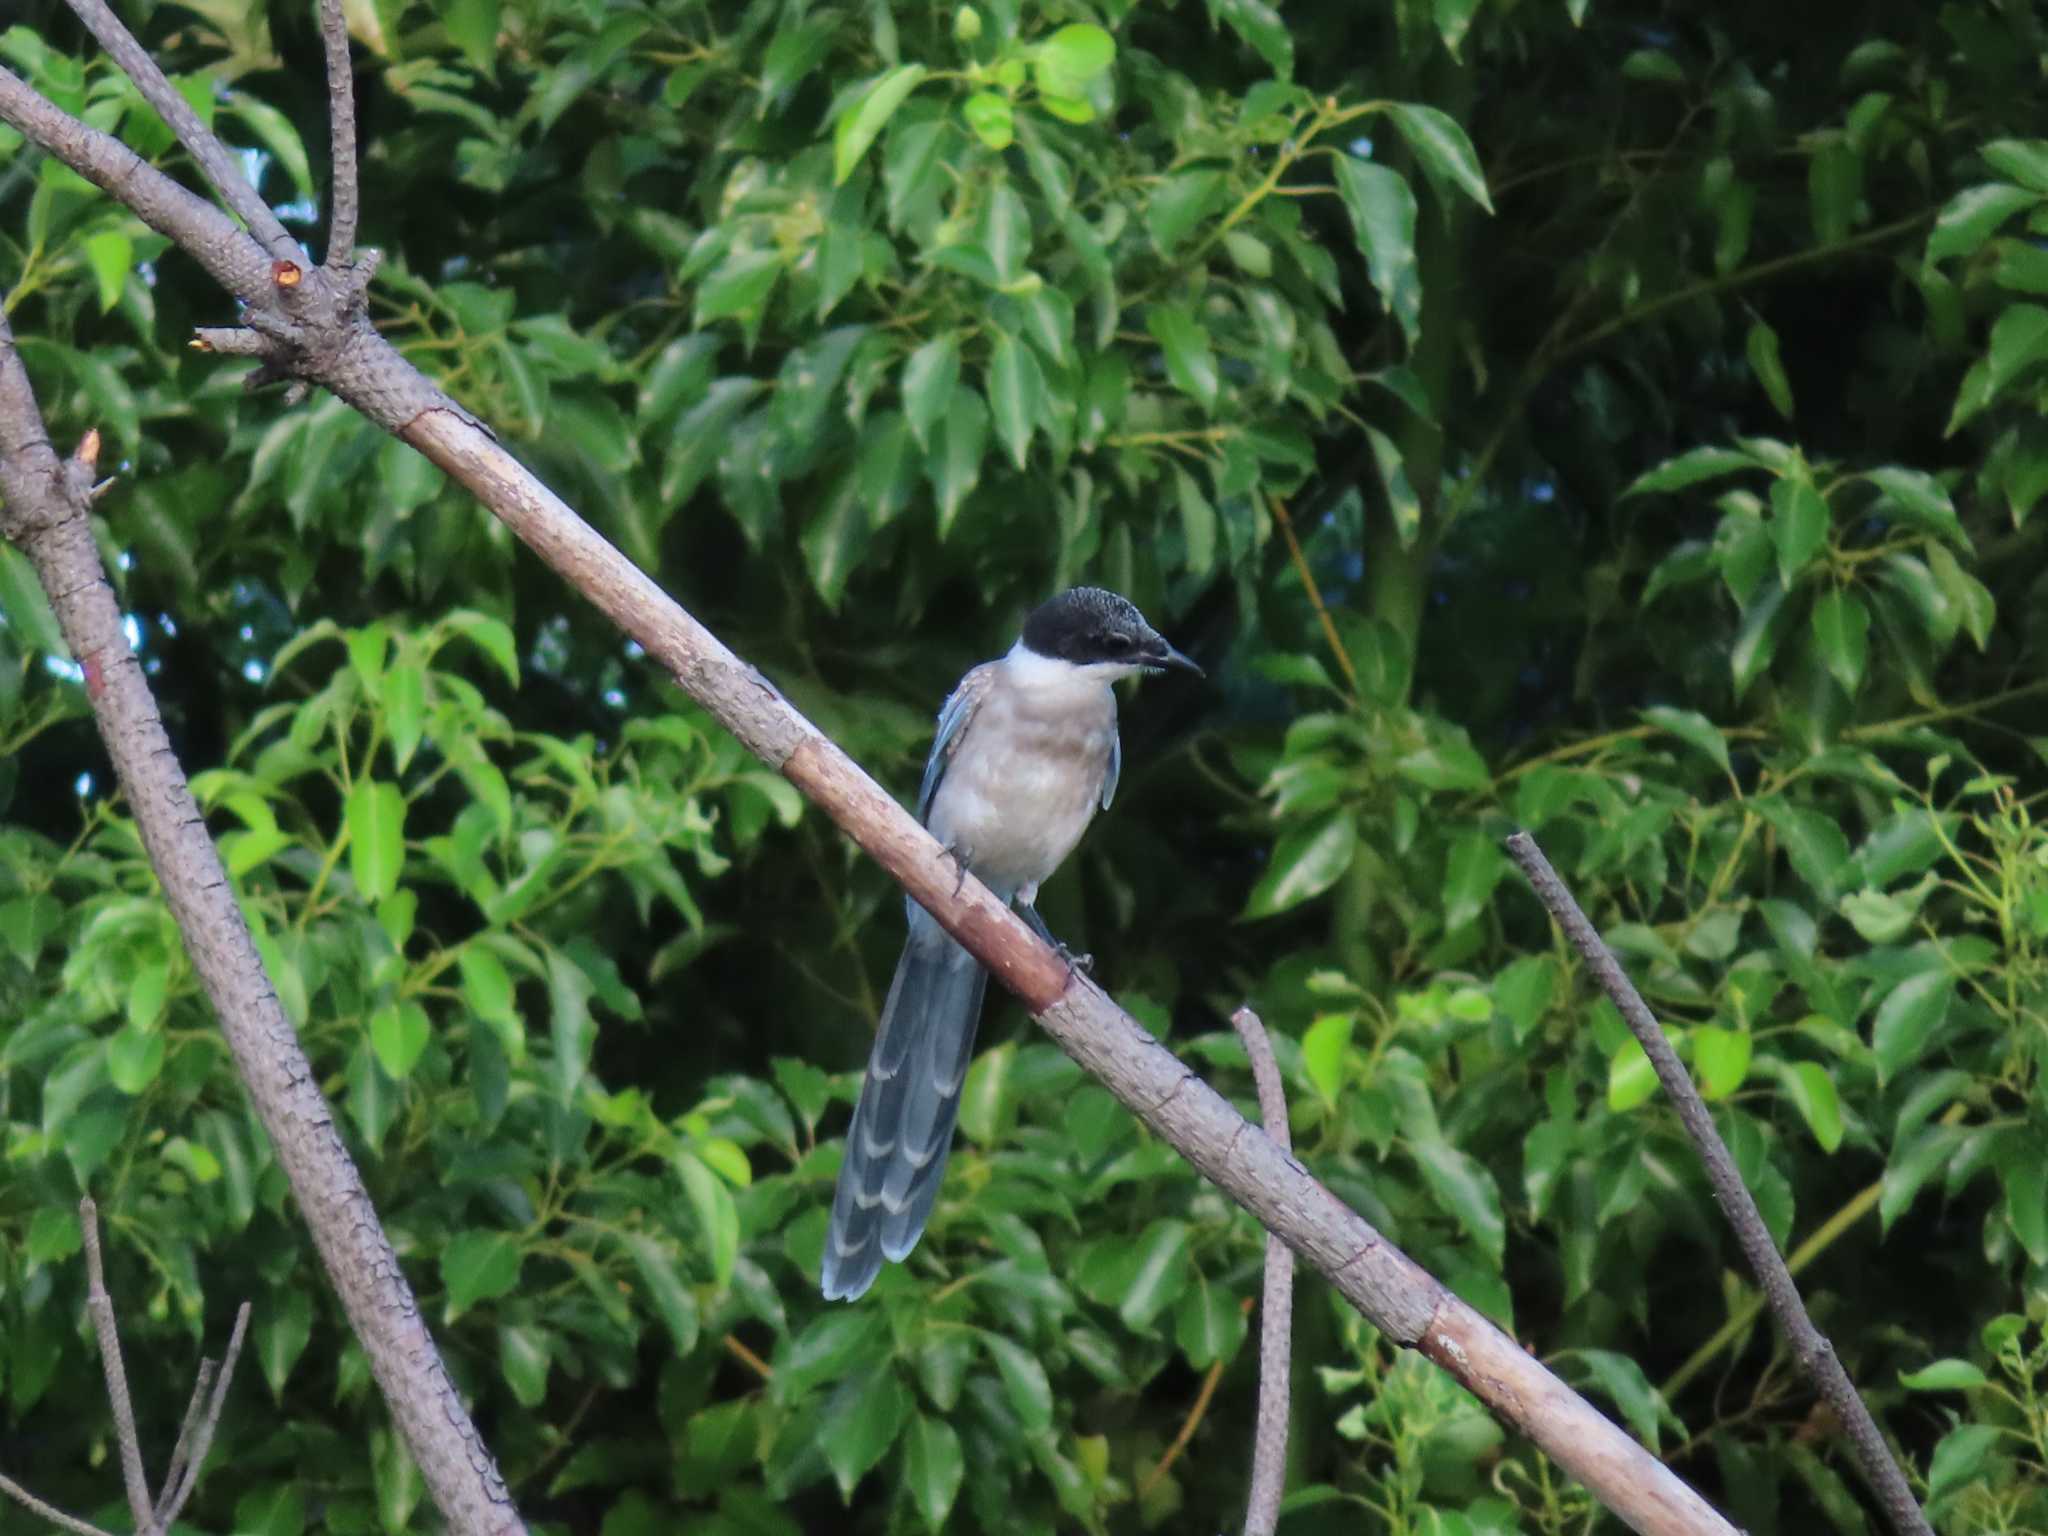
(216, 162)
(1816, 1356)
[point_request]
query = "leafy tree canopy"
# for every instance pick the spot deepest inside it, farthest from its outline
(1619, 420)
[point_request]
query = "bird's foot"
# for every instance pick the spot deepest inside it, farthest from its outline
(1083, 965)
(960, 857)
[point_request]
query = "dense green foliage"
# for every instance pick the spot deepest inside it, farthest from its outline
(1654, 398)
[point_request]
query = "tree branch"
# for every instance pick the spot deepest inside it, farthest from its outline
(341, 125)
(1276, 1307)
(214, 159)
(100, 1306)
(1816, 1356)
(45, 514)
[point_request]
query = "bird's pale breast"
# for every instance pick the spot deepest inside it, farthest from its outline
(1027, 778)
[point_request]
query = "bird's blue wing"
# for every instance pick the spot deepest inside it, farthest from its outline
(1116, 767)
(959, 709)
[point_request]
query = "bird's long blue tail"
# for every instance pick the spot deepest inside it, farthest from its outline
(903, 1125)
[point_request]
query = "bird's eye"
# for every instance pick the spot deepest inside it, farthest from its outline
(1116, 643)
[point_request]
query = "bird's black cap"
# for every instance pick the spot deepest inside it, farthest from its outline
(1086, 625)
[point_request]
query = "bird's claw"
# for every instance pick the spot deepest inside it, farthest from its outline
(1083, 965)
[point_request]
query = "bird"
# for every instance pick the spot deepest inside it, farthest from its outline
(1025, 753)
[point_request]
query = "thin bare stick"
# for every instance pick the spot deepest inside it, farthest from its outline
(1810, 1347)
(49, 1512)
(341, 125)
(1315, 593)
(1276, 1307)
(44, 509)
(216, 162)
(188, 1478)
(101, 1306)
(175, 1471)
(1195, 1414)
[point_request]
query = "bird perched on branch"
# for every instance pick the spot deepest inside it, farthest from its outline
(1026, 751)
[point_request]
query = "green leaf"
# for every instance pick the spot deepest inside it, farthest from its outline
(988, 115)
(1689, 469)
(1261, 26)
(1799, 525)
(1161, 1273)
(665, 1287)
(1208, 1325)
(835, 538)
(1449, 765)
(738, 289)
(1460, 1184)
(1841, 634)
(479, 1266)
(1323, 1052)
(1908, 1019)
(1306, 861)
(933, 1468)
(1442, 148)
(135, 1055)
(28, 611)
(1720, 1058)
(1692, 728)
(928, 380)
(1812, 1091)
(1769, 367)
(1959, 1458)
(1024, 1381)
(1197, 523)
(1756, 641)
(1834, 186)
(1068, 61)
(1382, 209)
(1180, 202)
(1970, 217)
(1923, 499)
(1631, 1080)
(111, 255)
(2023, 1169)
(404, 697)
(2019, 340)
(399, 1033)
(375, 818)
(1944, 1376)
(2021, 160)
(861, 1423)
(718, 1219)
(1475, 867)
(1189, 361)
(1016, 394)
(523, 1361)
(868, 114)
(955, 466)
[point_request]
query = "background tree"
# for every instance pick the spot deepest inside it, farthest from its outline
(862, 327)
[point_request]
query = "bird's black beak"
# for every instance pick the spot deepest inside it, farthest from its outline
(1161, 654)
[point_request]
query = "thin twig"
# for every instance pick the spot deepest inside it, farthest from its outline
(1196, 1412)
(203, 1443)
(1276, 1309)
(1816, 1356)
(182, 1451)
(748, 1358)
(49, 1512)
(101, 1306)
(341, 124)
(214, 159)
(1315, 593)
